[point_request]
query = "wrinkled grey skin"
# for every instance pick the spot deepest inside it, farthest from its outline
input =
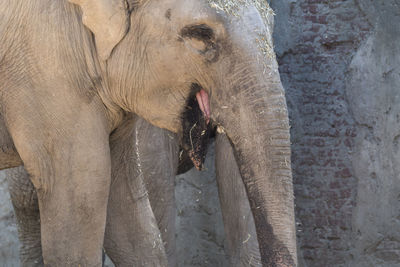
(140, 228)
(26, 209)
(141, 203)
(71, 72)
(143, 182)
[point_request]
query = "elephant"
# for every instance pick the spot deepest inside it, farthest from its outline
(74, 76)
(154, 176)
(142, 173)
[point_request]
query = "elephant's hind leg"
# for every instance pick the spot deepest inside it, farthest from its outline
(26, 208)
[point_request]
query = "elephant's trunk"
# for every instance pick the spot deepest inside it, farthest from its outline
(256, 121)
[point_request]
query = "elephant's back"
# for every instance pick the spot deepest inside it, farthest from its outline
(7, 24)
(15, 17)
(41, 41)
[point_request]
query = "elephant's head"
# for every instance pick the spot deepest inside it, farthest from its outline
(184, 64)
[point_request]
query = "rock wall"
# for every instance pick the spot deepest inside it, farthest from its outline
(315, 42)
(340, 64)
(373, 91)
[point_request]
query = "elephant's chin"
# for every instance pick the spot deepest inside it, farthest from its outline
(196, 129)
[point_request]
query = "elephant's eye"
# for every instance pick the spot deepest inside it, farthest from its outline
(200, 32)
(202, 39)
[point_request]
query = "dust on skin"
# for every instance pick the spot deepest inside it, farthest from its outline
(233, 7)
(273, 252)
(196, 129)
(263, 39)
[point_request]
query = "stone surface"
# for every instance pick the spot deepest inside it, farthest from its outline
(339, 62)
(317, 44)
(374, 96)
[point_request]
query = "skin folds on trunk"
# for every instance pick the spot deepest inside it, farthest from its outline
(250, 107)
(254, 117)
(260, 137)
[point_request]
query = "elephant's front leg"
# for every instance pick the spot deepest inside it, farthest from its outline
(73, 207)
(141, 211)
(67, 157)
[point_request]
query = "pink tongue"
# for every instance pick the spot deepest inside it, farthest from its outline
(204, 104)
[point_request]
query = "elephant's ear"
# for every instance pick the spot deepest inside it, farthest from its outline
(107, 19)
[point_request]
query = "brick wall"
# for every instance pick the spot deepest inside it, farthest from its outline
(315, 42)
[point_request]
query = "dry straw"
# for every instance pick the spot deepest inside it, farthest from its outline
(233, 7)
(264, 37)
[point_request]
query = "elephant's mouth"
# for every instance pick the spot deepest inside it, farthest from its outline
(204, 104)
(196, 126)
